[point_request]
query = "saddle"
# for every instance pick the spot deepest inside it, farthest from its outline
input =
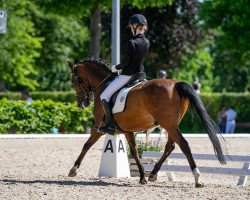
(136, 78)
(118, 99)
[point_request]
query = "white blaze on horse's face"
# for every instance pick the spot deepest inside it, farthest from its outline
(84, 103)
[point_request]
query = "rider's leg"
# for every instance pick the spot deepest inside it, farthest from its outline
(115, 85)
(109, 122)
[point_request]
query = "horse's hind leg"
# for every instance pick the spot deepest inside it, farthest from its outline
(168, 149)
(92, 139)
(132, 145)
(183, 144)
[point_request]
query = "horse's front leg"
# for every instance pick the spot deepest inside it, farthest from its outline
(132, 145)
(92, 140)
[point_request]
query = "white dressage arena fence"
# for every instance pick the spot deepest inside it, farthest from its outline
(243, 172)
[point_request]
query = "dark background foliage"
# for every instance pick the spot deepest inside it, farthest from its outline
(172, 28)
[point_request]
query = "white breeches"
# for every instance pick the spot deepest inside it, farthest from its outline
(115, 85)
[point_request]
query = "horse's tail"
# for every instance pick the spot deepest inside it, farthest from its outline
(210, 126)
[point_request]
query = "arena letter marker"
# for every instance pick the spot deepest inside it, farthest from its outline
(114, 161)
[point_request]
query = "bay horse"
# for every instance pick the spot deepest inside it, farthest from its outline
(161, 102)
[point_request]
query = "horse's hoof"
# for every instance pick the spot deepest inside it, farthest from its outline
(199, 185)
(152, 177)
(143, 181)
(72, 173)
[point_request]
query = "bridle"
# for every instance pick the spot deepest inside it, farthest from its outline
(85, 94)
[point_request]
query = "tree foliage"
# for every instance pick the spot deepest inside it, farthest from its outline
(90, 10)
(228, 22)
(19, 46)
(65, 38)
(172, 28)
(150, 3)
(37, 45)
(43, 34)
(77, 8)
(197, 63)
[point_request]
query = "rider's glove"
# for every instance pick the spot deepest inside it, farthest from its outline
(113, 68)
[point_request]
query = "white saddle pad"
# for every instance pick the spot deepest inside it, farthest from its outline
(121, 99)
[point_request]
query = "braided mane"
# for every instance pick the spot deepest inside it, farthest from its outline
(99, 62)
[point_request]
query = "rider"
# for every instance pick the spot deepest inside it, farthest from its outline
(136, 51)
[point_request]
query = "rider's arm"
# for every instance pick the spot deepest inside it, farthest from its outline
(130, 48)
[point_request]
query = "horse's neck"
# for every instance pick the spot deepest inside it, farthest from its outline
(99, 82)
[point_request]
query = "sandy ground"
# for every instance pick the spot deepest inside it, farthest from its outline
(38, 169)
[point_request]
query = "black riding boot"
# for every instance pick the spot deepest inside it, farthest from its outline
(109, 126)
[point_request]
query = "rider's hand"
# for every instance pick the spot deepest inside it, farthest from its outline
(113, 69)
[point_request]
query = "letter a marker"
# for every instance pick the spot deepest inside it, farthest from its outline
(114, 161)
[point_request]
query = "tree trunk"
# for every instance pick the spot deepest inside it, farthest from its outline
(95, 31)
(2, 85)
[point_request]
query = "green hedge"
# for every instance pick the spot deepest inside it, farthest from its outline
(62, 96)
(213, 103)
(42, 116)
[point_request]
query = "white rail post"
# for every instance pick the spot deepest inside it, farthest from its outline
(243, 179)
(171, 176)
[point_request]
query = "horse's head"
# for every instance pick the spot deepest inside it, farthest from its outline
(82, 87)
(88, 76)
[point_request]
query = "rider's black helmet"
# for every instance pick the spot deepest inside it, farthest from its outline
(138, 19)
(161, 74)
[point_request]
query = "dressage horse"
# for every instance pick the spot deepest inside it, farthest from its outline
(155, 102)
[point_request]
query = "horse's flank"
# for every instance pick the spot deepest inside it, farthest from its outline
(149, 104)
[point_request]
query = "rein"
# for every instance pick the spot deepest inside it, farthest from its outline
(94, 89)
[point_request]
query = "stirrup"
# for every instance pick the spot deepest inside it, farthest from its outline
(107, 129)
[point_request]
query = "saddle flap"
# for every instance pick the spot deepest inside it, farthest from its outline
(119, 99)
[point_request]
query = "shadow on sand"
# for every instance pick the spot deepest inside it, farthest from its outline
(82, 183)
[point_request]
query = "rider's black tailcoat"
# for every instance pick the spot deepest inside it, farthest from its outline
(136, 51)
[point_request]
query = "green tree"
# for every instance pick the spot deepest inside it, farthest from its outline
(19, 46)
(80, 9)
(197, 63)
(91, 9)
(172, 28)
(228, 22)
(35, 49)
(65, 39)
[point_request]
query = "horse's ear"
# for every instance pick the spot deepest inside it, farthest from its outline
(71, 66)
